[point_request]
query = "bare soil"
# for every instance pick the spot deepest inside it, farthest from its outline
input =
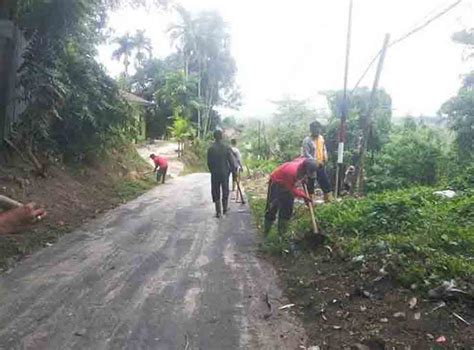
(343, 304)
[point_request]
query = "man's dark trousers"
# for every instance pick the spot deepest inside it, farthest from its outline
(323, 181)
(220, 183)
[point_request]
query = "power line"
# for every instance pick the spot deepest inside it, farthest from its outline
(406, 36)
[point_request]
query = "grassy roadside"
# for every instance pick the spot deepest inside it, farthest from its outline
(71, 195)
(382, 252)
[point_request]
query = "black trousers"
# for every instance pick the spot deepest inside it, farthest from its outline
(323, 181)
(279, 201)
(218, 183)
(161, 175)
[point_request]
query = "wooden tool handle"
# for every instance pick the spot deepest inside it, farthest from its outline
(240, 191)
(310, 206)
(9, 203)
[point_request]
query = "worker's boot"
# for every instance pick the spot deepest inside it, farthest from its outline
(328, 197)
(218, 209)
(267, 226)
(283, 227)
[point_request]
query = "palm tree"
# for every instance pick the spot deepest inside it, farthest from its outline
(126, 46)
(142, 44)
(183, 34)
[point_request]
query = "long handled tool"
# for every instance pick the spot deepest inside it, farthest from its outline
(310, 206)
(239, 192)
(9, 203)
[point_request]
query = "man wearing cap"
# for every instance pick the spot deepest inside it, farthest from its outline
(283, 188)
(314, 147)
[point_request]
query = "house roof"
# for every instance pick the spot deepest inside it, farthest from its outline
(131, 98)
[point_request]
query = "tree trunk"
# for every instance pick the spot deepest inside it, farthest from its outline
(207, 124)
(199, 107)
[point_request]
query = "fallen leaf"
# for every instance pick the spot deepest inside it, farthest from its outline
(417, 316)
(337, 327)
(384, 320)
(412, 302)
(363, 308)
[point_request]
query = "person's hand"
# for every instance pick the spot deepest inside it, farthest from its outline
(17, 219)
(308, 201)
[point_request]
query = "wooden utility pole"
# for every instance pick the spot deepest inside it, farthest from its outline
(259, 151)
(344, 110)
(368, 120)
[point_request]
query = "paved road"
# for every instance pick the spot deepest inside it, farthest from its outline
(157, 273)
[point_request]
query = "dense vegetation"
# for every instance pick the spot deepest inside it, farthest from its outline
(75, 110)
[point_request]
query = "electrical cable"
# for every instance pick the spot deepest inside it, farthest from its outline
(406, 36)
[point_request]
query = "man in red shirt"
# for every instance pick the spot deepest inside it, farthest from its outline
(283, 188)
(161, 167)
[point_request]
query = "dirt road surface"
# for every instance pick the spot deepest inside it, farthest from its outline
(157, 273)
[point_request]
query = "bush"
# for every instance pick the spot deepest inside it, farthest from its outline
(414, 156)
(422, 238)
(416, 236)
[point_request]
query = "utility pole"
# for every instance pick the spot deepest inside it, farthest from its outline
(372, 104)
(259, 151)
(345, 107)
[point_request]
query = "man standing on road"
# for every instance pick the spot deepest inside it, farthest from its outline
(283, 188)
(314, 147)
(161, 167)
(219, 161)
(238, 160)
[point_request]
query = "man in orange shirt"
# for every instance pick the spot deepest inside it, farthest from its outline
(314, 147)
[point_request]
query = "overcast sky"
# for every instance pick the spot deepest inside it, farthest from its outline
(296, 48)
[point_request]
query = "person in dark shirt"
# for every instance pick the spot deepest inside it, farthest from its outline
(219, 161)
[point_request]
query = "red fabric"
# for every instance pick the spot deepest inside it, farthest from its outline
(286, 175)
(161, 162)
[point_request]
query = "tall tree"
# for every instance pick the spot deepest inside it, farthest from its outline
(460, 109)
(460, 112)
(126, 45)
(142, 46)
(204, 42)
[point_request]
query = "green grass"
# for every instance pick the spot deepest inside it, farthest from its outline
(414, 235)
(130, 189)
